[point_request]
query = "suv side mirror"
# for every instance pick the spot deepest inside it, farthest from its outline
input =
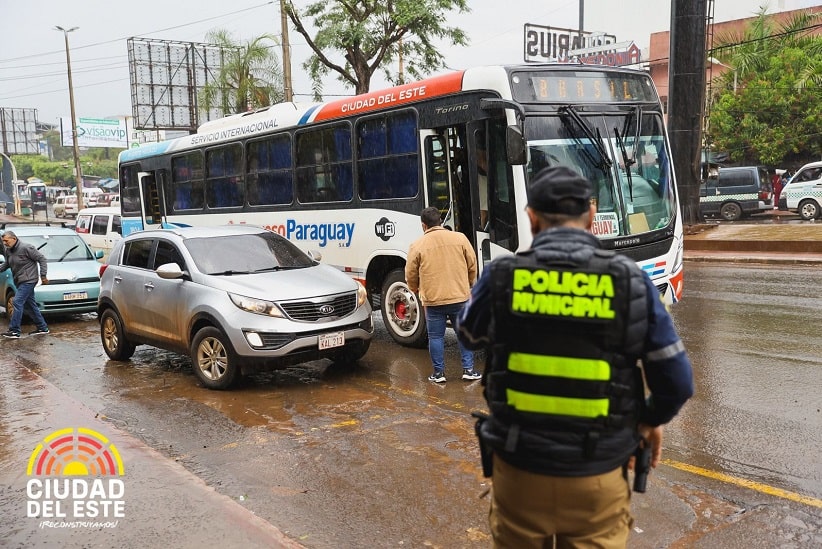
(169, 271)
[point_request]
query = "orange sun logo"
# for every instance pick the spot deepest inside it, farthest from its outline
(75, 452)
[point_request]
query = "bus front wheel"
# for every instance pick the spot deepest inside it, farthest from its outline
(402, 312)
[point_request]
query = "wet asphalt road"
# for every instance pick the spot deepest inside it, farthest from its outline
(376, 456)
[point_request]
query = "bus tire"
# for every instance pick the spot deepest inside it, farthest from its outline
(402, 311)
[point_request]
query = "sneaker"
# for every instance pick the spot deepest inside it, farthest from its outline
(38, 331)
(11, 335)
(471, 375)
(437, 377)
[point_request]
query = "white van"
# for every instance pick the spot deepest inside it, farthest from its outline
(100, 227)
(65, 206)
(803, 193)
(90, 196)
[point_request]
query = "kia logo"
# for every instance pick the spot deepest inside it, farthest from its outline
(326, 309)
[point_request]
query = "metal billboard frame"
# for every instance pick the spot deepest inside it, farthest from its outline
(18, 131)
(166, 79)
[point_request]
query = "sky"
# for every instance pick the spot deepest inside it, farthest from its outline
(33, 57)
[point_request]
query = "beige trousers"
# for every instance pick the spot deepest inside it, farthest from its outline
(530, 510)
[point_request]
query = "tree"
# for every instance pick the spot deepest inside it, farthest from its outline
(767, 109)
(250, 76)
(371, 34)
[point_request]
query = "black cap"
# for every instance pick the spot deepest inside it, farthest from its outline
(561, 190)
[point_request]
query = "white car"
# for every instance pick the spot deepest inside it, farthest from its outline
(803, 193)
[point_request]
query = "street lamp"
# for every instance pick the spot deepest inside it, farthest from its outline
(78, 175)
(716, 61)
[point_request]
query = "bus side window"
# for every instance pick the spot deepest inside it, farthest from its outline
(187, 182)
(387, 158)
(224, 182)
(269, 179)
(324, 165)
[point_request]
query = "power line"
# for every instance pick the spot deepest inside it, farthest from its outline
(75, 48)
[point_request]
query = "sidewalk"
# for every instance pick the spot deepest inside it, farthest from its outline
(781, 239)
(164, 504)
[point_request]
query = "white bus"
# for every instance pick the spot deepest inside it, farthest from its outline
(349, 177)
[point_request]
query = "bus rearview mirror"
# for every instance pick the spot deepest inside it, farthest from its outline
(515, 146)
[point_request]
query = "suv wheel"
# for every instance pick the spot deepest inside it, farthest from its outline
(808, 209)
(214, 361)
(731, 212)
(113, 337)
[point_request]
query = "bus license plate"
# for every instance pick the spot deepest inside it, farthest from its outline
(329, 341)
(72, 296)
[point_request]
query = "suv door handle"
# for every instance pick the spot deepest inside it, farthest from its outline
(148, 286)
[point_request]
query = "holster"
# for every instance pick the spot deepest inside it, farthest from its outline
(486, 453)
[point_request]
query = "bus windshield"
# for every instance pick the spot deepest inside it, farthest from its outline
(622, 153)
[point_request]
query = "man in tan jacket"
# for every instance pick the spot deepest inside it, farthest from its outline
(441, 269)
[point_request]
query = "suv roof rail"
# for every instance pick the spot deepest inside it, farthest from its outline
(5, 224)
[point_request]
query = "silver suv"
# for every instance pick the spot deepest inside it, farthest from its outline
(236, 298)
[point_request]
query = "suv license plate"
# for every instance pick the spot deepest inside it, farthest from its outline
(329, 341)
(71, 296)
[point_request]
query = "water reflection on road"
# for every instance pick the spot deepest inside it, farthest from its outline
(342, 455)
(750, 332)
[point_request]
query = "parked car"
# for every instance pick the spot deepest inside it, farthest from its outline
(803, 193)
(106, 198)
(74, 270)
(65, 206)
(236, 299)
(736, 192)
(99, 227)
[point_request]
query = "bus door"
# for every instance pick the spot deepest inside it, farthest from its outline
(152, 210)
(496, 232)
(446, 168)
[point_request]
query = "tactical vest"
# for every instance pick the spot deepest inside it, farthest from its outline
(568, 329)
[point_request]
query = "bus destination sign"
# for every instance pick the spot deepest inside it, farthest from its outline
(577, 86)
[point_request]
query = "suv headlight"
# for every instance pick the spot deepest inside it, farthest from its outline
(362, 294)
(256, 306)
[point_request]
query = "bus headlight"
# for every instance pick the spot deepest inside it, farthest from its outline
(362, 294)
(256, 306)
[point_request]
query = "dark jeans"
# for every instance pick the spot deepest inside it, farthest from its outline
(24, 298)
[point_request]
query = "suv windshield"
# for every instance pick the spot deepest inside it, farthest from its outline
(247, 253)
(60, 247)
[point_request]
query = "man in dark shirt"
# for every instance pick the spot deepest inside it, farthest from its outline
(27, 266)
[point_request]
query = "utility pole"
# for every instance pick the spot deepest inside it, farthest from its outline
(288, 91)
(78, 174)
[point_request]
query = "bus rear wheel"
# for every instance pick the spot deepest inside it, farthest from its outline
(402, 312)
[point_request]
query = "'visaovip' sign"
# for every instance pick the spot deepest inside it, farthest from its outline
(95, 132)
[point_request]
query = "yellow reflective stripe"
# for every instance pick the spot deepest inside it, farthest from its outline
(577, 407)
(559, 366)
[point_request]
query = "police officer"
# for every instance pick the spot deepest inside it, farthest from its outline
(565, 325)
